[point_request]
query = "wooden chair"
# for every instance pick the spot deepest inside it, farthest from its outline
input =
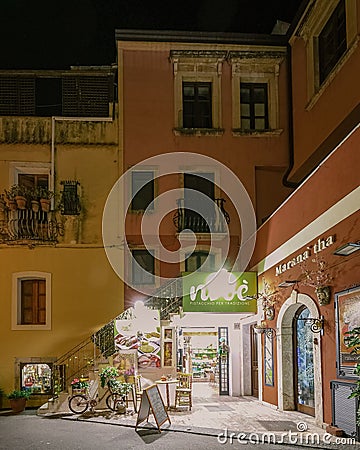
(138, 388)
(183, 390)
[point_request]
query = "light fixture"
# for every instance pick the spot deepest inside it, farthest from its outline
(287, 283)
(347, 249)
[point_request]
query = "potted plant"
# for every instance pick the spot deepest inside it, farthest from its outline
(34, 195)
(353, 340)
(122, 390)
(18, 399)
(18, 194)
(10, 195)
(45, 198)
(108, 374)
(79, 385)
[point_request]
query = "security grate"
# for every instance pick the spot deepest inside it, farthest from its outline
(344, 408)
(70, 202)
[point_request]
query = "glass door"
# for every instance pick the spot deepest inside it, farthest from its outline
(304, 363)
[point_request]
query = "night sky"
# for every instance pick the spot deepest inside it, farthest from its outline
(52, 34)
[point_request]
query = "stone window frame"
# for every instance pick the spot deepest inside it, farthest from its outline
(16, 300)
(198, 66)
(50, 360)
(309, 30)
(256, 67)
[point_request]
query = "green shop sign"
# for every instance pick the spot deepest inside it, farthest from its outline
(219, 292)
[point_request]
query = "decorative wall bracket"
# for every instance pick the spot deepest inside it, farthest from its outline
(316, 324)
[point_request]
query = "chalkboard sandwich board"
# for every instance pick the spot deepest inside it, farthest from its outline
(151, 400)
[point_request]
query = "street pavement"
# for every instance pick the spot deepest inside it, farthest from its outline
(214, 422)
(28, 431)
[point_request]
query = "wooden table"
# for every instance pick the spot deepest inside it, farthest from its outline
(167, 383)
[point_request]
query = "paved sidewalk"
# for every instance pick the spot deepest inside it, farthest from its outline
(212, 415)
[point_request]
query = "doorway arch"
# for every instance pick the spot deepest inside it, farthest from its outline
(285, 352)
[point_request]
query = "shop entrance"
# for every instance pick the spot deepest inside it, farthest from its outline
(304, 394)
(254, 363)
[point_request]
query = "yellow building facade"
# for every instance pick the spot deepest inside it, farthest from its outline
(57, 285)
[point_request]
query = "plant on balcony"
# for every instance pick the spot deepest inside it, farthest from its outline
(268, 300)
(352, 340)
(318, 278)
(14, 196)
(45, 196)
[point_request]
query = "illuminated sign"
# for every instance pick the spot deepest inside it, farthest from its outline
(219, 292)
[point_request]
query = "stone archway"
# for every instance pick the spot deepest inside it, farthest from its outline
(285, 352)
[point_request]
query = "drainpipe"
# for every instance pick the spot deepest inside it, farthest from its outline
(66, 119)
(285, 180)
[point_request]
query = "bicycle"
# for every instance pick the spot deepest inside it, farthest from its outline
(79, 403)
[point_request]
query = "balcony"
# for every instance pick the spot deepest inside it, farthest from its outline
(191, 220)
(25, 226)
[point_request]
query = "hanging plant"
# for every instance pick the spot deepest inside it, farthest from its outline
(319, 278)
(268, 300)
(108, 374)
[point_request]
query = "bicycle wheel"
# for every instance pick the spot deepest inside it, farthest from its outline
(114, 402)
(78, 404)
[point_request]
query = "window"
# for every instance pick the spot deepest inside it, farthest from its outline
(193, 220)
(197, 91)
(199, 260)
(33, 181)
(254, 106)
(142, 190)
(31, 301)
(145, 273)
(332, 41)
(255, 91)
(37, 377)
(197, 105)
(48, 99)
(70, 202)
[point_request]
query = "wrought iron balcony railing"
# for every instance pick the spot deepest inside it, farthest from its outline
(24, 225)
(213, 223)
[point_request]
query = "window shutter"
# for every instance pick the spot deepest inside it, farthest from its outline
(17, 96)
(86, 96)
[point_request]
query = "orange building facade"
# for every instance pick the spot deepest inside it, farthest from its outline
(282, 113)
(304, 245)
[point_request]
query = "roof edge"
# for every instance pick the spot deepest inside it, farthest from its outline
(199, 37)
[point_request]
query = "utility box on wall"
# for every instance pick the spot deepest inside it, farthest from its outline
(344, 408)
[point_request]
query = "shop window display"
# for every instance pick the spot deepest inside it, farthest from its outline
(36, 377)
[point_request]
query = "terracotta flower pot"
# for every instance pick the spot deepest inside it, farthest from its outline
(17, 404)
(20, 201)
(12, 205)
(35, 205)
(45, 204)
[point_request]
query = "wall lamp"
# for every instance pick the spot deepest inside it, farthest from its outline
(287, 283)
(347, 249)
